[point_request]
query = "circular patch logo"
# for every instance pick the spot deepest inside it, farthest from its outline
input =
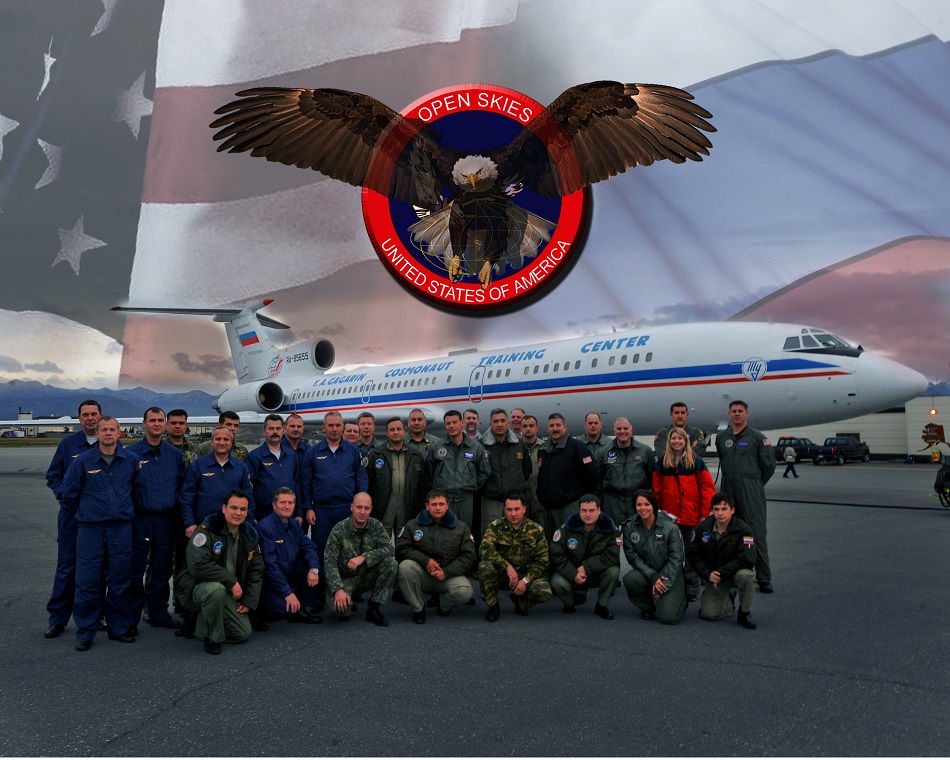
(635, 537)
(487, 232)
(705, 538)
(417, 535)
(572, 543)
(380, 463)
(557, 536)
(443, 452)
(275, 365)
(729, 443)
(199, 540)
(218, 547)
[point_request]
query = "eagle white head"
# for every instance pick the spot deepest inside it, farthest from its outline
(470, 170)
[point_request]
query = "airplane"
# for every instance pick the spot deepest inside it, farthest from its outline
(790, 375)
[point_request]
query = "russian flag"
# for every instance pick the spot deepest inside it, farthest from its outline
(249, 339)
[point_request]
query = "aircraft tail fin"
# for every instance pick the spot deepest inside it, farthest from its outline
(251, 350)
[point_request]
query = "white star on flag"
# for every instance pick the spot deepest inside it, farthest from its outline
(54, 154)
(48, 62)
(6, 127)
(73, 244)
(106, 18)
(131, 105)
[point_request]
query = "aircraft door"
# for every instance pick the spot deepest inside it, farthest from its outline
(293, 399)
(367, 391)
(476, 384)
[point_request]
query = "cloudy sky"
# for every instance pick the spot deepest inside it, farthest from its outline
(823, 202)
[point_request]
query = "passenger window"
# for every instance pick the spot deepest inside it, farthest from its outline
(611, 361)
(623, 359)
(593, 363)
(536, 368)
(636, 358)
(649, 356)
(556, 366)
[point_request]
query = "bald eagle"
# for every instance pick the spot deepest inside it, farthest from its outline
(589, 133)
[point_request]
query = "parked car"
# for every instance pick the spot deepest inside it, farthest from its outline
(842, 448)
(804, 448)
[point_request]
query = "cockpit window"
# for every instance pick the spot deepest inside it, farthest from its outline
(791, 344)
(809, 342)
(827, 340)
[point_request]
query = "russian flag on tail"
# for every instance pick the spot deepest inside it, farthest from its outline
(249, 338)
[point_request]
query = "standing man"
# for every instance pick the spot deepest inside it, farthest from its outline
(566, 470)
(679, 415)
(529, 436)
(628, 466)
(155, 527)
(222, 581)
(418, 439)
(272, 466)
(516, 415)
(723, 553)
(98, 489)
(210, 478)
(332, 475)
(472, 421)
(232, 422)
(366, 422)
(359, 557)
(436, 552)
(60, 605)
(597, 443)
(291, 563)
(510, 467)
(514, 553)
(459, 467)
(585, 553)
(175, 435)
(747, 461)
(293, 434)
(397, 478)
(351, 433)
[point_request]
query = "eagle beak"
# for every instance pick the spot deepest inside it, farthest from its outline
(472, 179)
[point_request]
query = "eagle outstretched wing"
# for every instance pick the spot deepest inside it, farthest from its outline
(596, 130)
(345, 135)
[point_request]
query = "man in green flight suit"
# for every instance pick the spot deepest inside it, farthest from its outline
(585, 553)
(224, 574)
(514, 551)
(747, 461)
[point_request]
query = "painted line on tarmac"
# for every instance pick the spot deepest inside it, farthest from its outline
(917, 508)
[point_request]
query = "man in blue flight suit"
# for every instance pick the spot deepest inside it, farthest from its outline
(291, 563)
(60, 606)
(161, 471)
(293, 436)
(209, 480)
(333, 474)
(272, 466)
(98, 487)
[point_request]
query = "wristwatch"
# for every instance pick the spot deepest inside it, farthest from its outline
(315, 571)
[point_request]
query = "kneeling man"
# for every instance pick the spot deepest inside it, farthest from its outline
(585, 553)
(723, 553)
(514, 552)
(222, 581)
(436, 552)
(358, 558)
(291, 562)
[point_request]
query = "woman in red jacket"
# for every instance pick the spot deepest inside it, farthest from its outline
(684, 487)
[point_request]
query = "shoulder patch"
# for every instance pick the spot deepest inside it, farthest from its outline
(199, 540)
(748, 541)
(765, 442)
(557, 536)
(587, 460)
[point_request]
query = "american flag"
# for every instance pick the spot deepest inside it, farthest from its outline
(825, 191)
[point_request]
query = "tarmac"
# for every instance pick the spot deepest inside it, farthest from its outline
(850, 657)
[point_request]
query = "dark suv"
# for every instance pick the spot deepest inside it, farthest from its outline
(842, 448)
(804, 448)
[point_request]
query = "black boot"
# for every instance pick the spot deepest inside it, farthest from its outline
(374, 616)
(188, 622)
(745, 620)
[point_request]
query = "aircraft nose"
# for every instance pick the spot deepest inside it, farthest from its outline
(882, 383)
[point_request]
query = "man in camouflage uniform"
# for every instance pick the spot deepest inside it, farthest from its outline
(359, 557)
(232, 422)
(514, 550)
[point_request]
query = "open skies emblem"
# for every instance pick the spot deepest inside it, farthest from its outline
(475, 196)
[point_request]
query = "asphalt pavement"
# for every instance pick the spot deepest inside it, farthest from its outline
(850, 656)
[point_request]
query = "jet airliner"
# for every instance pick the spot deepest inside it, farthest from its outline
(790, 375)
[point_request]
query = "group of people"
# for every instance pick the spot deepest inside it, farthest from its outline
(290, 529)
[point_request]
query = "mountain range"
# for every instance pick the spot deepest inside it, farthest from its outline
(48, 400)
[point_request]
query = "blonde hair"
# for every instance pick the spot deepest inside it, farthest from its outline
(689, 459)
